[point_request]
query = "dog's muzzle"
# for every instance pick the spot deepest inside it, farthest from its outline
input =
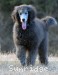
(24, 19)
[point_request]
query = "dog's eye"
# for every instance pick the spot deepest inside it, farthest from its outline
(20, 13)
(26, 13)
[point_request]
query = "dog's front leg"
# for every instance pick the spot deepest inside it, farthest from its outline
(21, 54)
(32, 56)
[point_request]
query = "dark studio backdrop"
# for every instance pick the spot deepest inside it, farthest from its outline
(44, 8)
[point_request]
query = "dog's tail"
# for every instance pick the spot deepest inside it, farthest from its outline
(49, 21)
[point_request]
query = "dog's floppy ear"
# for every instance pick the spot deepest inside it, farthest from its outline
(32, 12)
(49, 21)
(14, 13)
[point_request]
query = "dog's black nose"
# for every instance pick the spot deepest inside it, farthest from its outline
(23, 20)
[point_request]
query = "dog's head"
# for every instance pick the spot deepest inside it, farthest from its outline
(24, 14)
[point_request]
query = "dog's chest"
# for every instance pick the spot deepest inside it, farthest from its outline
(26, 37)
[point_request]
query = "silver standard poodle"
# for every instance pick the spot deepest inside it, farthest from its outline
(31, 34)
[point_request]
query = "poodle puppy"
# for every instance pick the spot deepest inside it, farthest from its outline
(31, 34)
